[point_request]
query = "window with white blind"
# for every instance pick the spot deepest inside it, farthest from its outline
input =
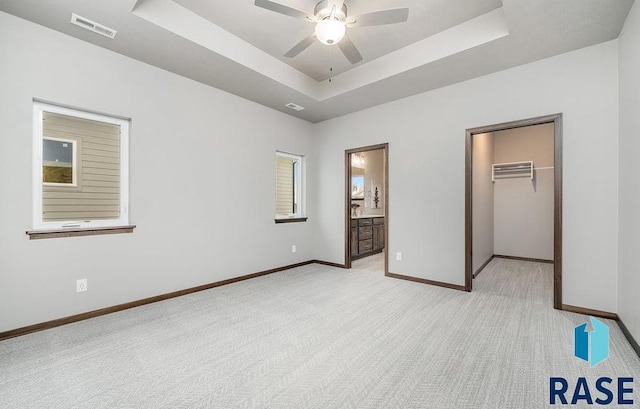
(80, 169)
(289, 177)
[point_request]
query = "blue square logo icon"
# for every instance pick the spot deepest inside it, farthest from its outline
(591, 344)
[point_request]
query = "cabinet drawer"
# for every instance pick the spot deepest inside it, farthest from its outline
(365, 232)
(378, 220)
(365, 222)
(365, 245)
(354, 223)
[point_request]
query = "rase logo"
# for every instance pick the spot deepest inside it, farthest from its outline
(591, 344)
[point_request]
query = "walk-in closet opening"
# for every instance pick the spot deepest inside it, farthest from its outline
(513, 199)
(366, 211)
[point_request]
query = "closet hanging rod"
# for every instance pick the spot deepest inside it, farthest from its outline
(506, 168)
(512, 164)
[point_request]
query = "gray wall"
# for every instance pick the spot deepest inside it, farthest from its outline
(629, 195)
(482, 201)
(426, 134)
(523, 208)
(210, 218)
(207, 132)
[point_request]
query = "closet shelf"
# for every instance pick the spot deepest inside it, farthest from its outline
(512, 170)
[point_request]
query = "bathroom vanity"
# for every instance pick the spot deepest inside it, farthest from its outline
(367, 236)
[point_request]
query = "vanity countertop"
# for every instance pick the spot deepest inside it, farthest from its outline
(367, 216)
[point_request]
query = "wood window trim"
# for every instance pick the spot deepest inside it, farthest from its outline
(291, 220)
(76, 232)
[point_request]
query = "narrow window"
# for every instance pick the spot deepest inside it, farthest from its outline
(80, 169)
(289, 176)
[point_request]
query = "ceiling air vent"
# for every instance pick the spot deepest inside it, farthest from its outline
(294, 106)
(93, 26)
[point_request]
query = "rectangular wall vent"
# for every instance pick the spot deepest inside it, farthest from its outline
(93, 26)
(294, 106)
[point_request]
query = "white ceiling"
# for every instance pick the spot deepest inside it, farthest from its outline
(238, 47)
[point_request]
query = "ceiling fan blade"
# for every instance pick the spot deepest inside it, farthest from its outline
(349, 50)
(380, 17)
(301, 46)
(282, 9)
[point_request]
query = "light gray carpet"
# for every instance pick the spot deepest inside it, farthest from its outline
(317, 337)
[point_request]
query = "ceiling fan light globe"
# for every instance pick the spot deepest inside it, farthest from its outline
(330, 31)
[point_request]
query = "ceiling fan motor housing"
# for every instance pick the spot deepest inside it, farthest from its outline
(323, 12)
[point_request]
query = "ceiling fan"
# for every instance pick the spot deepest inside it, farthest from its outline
(332, 21)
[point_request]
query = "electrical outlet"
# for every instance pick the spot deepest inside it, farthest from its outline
(399, 256)
(293, 248)
(81, 285)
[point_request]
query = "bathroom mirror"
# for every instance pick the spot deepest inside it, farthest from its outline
(357, 183)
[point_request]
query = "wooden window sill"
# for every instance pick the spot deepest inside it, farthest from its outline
(76, 231)
(292, 220)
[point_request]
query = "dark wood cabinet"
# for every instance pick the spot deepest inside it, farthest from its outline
(365, 233)
(354, 238)
(378, 234)
(367, 236)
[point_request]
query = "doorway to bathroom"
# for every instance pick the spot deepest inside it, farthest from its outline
(367, 207)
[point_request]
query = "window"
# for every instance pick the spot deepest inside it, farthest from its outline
(59, 167)
(80, 169)
(289, 196)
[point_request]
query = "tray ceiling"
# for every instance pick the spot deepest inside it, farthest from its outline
(238, 47)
